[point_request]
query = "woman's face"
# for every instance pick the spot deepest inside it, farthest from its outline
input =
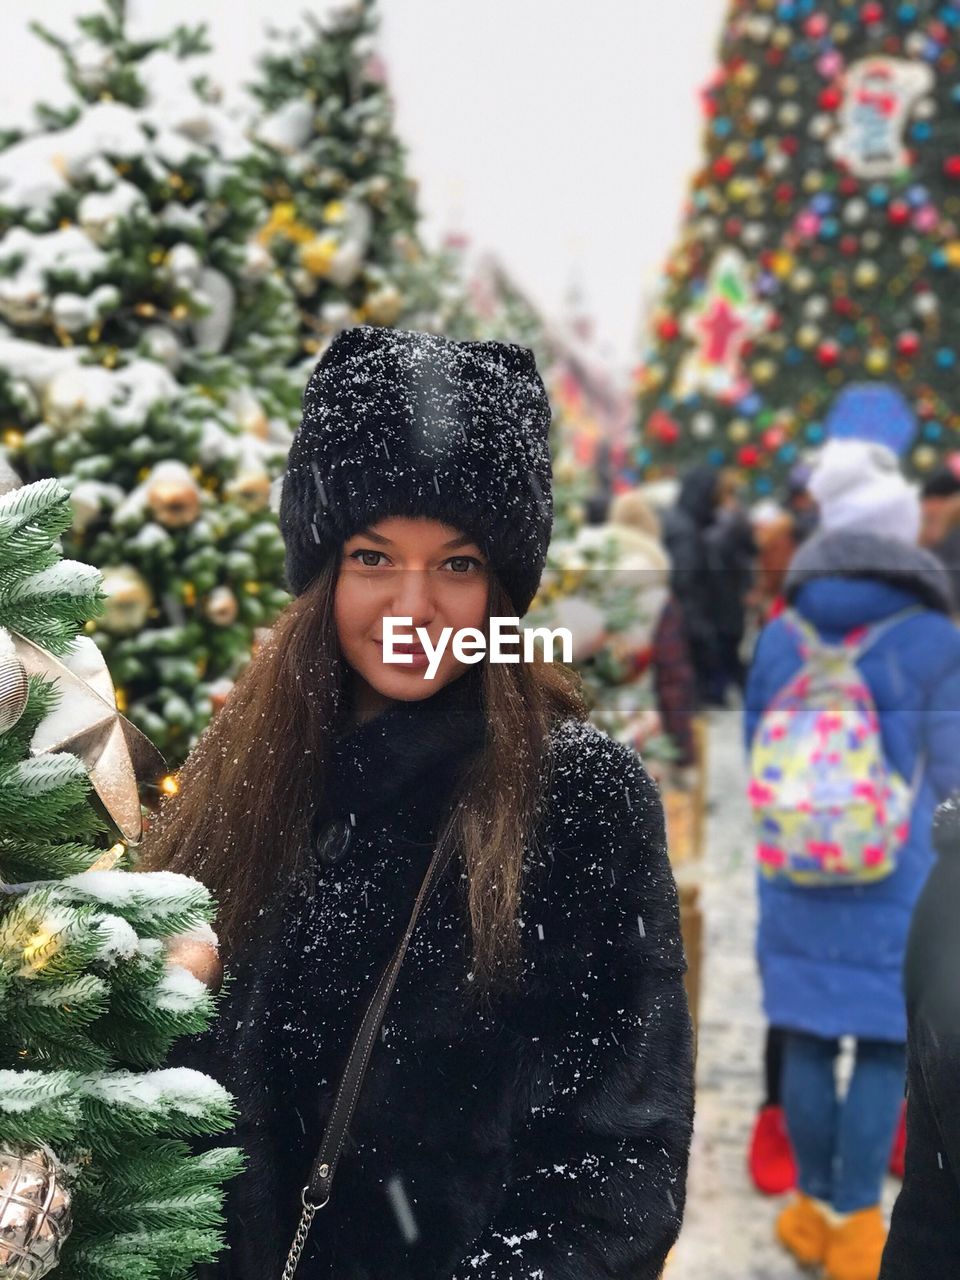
(405, 567)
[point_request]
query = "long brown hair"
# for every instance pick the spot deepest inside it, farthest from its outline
(240, 819)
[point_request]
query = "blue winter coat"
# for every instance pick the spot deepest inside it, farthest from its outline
(831, 959)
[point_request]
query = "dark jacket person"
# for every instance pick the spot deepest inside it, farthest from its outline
(924, 1240)
(685, 530)
(528, 1106)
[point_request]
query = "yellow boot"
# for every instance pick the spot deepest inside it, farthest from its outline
(804, 1230)
(856, 1246)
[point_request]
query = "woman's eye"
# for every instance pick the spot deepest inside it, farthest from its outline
(356, 555)
(466, 562)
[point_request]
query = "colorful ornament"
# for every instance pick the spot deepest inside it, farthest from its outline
(727, 317)
(662, 428)
(879, 94)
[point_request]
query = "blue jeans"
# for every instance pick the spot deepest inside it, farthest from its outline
(842, 1147)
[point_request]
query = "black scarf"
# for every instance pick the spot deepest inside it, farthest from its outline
(407, 757)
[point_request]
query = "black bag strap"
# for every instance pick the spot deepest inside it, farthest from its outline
(316, 1194)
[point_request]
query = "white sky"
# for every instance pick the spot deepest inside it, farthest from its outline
(558, 135)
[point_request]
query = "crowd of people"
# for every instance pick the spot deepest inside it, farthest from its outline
(834, 613)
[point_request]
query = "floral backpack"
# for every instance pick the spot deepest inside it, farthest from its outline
(828, 807)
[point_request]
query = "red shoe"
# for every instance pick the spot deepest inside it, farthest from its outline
(899, 1145)
(771, 1162)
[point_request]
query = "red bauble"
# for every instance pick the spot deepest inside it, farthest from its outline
(831, 99)
(899, 213)
(663, 428)
(790, 145)
(908, 344)
(849, 186)
(668, 329)
(828, 353)
(844, 307)
(784, 193)
(773, 438)
(951, 167)
(849, 245)
(749, 456)
(723, 168)
(872, 12)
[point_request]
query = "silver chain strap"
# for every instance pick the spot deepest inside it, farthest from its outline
(300, 1239)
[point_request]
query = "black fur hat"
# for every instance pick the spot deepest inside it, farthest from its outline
(411, 424)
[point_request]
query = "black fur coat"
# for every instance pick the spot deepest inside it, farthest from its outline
(543, 1137)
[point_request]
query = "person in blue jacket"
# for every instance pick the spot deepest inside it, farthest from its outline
(831, 958)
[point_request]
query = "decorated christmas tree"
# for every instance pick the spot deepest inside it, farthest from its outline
(343, 211)
(96, 1176)
(144, 333)
(821, 243)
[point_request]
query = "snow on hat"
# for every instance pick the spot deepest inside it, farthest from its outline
(858, 486)
(873, 411)
(397, 423)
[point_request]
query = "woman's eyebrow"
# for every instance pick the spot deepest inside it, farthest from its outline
(462, 540)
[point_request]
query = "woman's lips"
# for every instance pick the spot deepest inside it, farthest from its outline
(419, 656)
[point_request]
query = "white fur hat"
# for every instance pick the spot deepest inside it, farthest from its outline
(859, 486)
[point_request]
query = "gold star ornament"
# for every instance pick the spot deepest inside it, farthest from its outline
(87, 724)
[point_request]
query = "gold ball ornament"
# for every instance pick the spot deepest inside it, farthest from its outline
(14, 689)
(35, 1213)
(877, 360)
(808, 336)
(782, 264)
(250, 490)
(197, 957)
(764, 371)
(925, 458)
(738, 431)
(221, 607)
(384, 305)
(952, 252)
(317, 255)
(129, 600)
(866, 275)
(173, 495)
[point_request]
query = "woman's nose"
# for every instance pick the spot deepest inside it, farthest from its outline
(414, 596)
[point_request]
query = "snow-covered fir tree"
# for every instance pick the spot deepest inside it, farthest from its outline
(144, 334)
(96, 1176)
(343, 216)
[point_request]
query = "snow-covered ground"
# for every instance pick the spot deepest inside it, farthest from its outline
(728, 1230)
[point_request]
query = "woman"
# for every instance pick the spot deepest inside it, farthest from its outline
(528, 1110)
(831, 957)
